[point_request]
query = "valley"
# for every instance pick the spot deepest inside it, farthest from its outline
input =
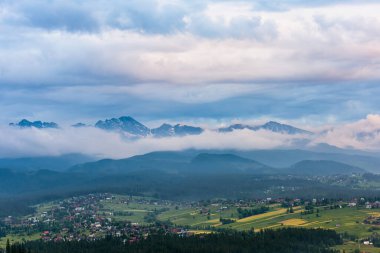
(95, 216)
(190, 193)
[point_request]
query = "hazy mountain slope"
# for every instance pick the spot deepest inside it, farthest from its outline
(326, 148)
(43, 180)
(165, 161)
(286, 158)
(322, 168)
(57, 163)
(227, 163)
(176, 162)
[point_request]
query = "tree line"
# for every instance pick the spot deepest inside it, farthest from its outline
(285, 240)
(250, 212)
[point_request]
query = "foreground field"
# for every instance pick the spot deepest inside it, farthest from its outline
(341, 219)
(202, 219)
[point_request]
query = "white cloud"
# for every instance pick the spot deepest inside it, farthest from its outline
(36, 142)
(363, 134)
(338, 42)
(190, 94)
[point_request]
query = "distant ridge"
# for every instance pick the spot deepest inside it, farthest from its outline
(79, 125)
(270, 126)
(127, 124)
(282, 128)
(166, 130)
(37, 124)
(130, 125)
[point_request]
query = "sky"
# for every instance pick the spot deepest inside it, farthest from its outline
(311, 63)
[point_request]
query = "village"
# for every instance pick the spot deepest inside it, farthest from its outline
(96, 216)
(82, 218)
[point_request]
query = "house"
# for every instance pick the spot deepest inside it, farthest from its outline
(352, 204)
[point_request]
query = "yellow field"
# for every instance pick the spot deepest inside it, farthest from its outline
(375, 214)
(269, 214)
(263, 215)
(200, 232)
(293, 222)
(213, 221)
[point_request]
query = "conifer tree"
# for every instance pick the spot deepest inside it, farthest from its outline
(8, 247)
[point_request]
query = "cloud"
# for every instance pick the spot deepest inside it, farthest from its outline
(190, 94)
(61, 15)
(92, 141)
(88, 17)
(363, 134)
(230, 19)
(175, 42)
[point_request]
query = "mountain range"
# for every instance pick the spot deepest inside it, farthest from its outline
(174, 160)
(130, 126)
(189, 174)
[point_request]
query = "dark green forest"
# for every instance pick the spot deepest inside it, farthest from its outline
(20, 191)
(286, 240)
